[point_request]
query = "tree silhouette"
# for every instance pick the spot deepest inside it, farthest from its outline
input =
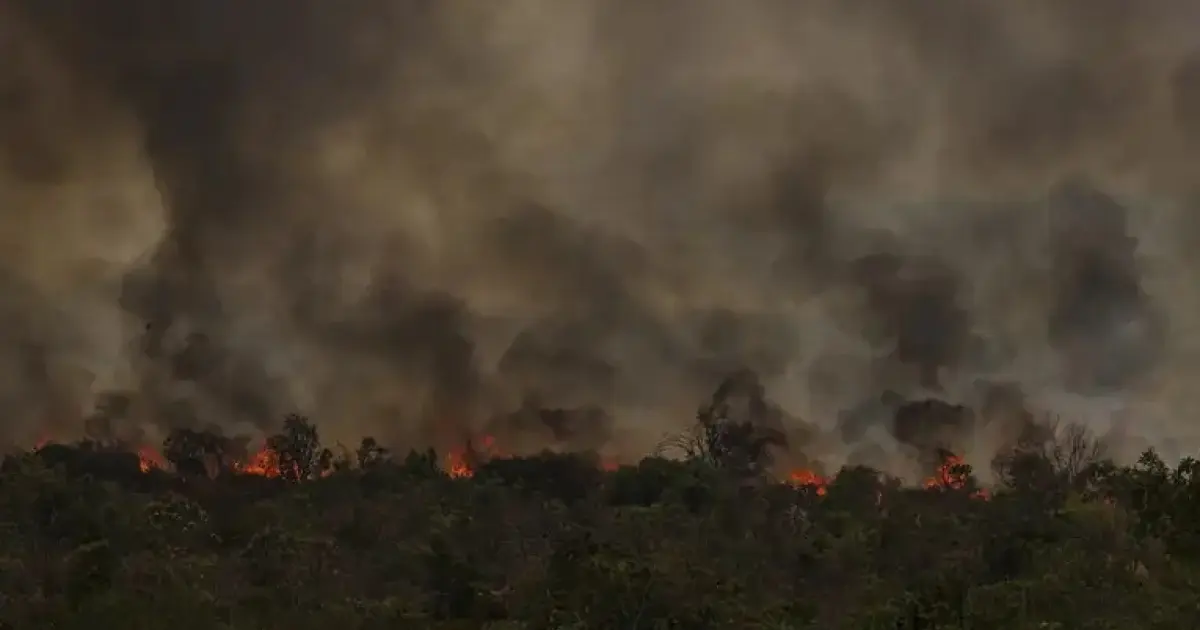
(298, 449)
(370, 454)
(736, 430)
(197, 453)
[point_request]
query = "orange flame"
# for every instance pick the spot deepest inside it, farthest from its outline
(149, 459)
(950, 477)
(459, 462)
(805, 478)
(264, 463)
(456, 465)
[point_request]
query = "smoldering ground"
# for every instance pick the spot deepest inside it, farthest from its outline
(402, 217)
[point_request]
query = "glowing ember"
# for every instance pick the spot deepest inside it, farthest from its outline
(805, 478)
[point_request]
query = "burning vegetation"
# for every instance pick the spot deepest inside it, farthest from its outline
(739, 431)
(480, 535)
(491, 227)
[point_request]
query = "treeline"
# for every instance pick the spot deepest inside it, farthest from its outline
(371, 540)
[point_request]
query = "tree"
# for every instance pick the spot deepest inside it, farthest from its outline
(370, 454)
(197, 452)
(298, 449)
(736, 430)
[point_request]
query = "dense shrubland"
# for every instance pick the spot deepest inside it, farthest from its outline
(369, 539)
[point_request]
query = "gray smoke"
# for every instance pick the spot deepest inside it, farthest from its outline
(405, 217)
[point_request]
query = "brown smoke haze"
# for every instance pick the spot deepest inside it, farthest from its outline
(402, 217)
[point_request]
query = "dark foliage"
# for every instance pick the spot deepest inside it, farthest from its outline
(198, 453)
(551, 541)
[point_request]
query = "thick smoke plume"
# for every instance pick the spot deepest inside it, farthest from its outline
(409, 218)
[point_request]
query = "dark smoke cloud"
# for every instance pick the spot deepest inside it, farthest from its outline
(407, 217)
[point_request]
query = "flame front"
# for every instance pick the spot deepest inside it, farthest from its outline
(460, 463)
(264, 462)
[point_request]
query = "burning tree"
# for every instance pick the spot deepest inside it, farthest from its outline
(953, 474)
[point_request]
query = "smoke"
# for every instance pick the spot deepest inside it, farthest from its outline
(407, 218)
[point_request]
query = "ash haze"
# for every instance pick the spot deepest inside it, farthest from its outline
(402, 217)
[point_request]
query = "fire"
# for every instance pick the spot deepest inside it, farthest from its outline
(456, 465)
(264, 463)
(459, 461)
(806, 478)
(950, 476)
(947, 476)
(149, 459)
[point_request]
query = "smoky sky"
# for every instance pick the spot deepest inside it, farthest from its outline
(403, 217)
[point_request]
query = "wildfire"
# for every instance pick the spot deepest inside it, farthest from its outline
(264, 463)
(949, 475)
(806, 478)
(459, 462)
(149, 459)
(456, 465)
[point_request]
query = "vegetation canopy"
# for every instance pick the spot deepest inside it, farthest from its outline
(212, 534)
